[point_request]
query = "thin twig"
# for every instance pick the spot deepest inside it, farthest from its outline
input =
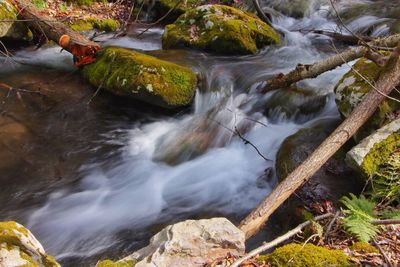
(382, 252)
(330, 225)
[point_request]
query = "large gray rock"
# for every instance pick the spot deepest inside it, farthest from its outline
(191, 243)
(375, 149)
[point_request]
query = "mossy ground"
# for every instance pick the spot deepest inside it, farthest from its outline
(297, 255)
(220, 29)
(364, 247)
(352, 87)
(128, 73)
(110, 263)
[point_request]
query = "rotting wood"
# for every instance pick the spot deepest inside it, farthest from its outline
(83, 50)
(387, 81)
(302, 72)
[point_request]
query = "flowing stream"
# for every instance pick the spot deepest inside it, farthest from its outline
(97, 176)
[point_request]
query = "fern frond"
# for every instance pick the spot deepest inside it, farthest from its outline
(386, 182)
(392, 214)
(360, 213)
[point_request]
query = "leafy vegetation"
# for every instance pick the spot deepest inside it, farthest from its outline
(386, 182)
(359, 216)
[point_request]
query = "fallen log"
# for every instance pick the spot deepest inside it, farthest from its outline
(389, 78)
(83, 50)
(302, 72)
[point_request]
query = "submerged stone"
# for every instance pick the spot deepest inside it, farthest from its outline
(353, 87)
(294, 104)
(18, 247)
(220, 29)
(128, 73)
(374, 150)
(307, 255)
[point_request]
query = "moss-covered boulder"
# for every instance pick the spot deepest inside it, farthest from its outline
(18, 247)
(374, 150)
(128, 73)
(10, 29)
(352, 88)
(309, 255)
(296, 104)
(220, 29)
(106, 25)
(332, 180)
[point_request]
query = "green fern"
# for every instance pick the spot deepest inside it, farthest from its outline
(359, 215)
(386, 182)
(390, 214)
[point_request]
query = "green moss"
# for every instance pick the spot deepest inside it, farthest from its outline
(40, 4)
(363, 247)
(379, 154)
(351, 89)
(13, 234)
(106, 25)
(309, 255)
(220, 29)
(110, 263)
(128, 73)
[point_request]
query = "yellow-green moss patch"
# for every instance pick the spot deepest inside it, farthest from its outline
(110, 263)
(221, 29)
(128, 73)
(363, 247)
(297, 255)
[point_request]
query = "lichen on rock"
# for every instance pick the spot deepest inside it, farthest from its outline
(353, 87)
(18, 247)
(220, 29)
(128, 73)
(307, 255)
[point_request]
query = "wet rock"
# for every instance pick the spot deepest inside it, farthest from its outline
(178, 7)
(13, 137)
(191, 243)
(220, 29)
(374, 150)
(352, 88)
(18, 247)
(297, 105)
(9, 29)
(294, 8)
(332, 180)
(128, 73)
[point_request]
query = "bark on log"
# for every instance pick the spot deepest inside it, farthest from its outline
(302, 72)
(82, 48)
(386, 82)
